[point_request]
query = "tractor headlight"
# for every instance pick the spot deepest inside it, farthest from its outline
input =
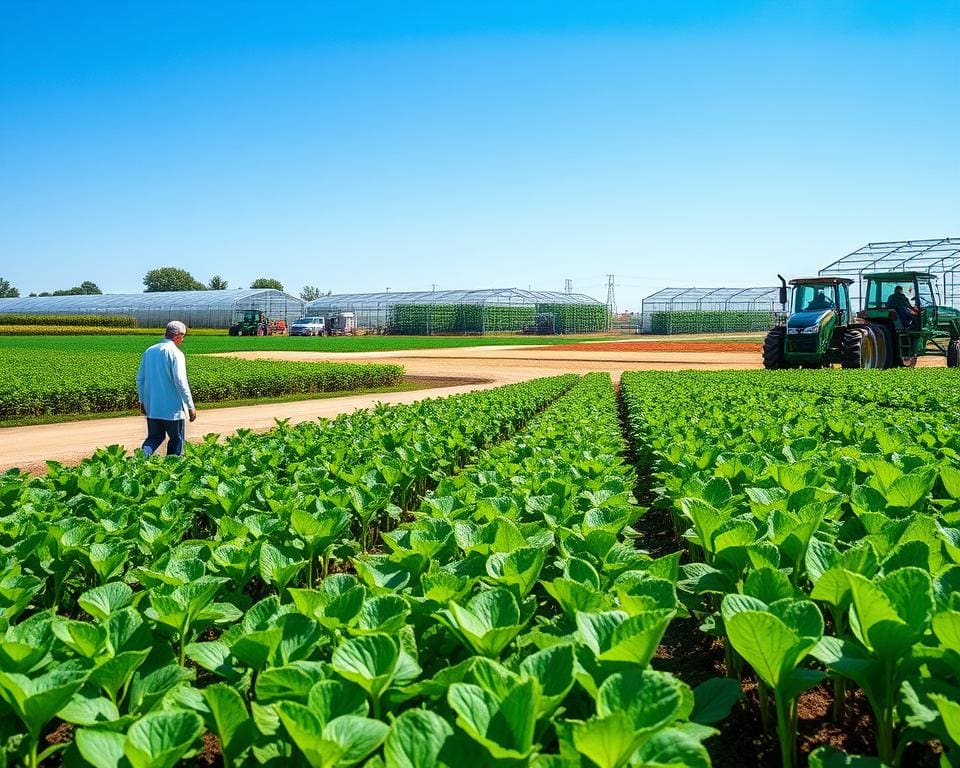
(811, 329)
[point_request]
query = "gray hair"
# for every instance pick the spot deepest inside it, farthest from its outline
(174, 327)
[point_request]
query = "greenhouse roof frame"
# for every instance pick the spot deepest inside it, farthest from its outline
(476, 296)
(713, 296)
(940, 256)
(899, 256)
(117, 301)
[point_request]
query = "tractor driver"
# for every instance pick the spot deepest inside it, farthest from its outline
(819, 301)
(899, 302)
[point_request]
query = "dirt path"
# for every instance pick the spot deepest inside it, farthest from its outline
(30, 447)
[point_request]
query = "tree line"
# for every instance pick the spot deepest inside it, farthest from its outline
(165, 279)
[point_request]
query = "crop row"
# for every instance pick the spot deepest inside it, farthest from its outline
(934, 390)
(39, 383)
(113, 569)
(822, 538)
(90, 321)
(511, 619)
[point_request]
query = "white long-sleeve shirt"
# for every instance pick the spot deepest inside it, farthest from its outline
(162, 382)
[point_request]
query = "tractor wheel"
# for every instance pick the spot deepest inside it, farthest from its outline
(886, 352)
(859, 348)
(953, 354)
(773, 346)
(261, 331)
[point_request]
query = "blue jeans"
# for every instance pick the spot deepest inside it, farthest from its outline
(158, 429)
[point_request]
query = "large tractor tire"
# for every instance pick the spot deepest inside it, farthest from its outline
(859, 348)
(773, 346)
(887, 354)
(953, 354)
(261, 330)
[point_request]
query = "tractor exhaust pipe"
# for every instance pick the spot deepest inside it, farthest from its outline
(783, 293)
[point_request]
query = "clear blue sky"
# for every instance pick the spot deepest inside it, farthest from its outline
(361, 145)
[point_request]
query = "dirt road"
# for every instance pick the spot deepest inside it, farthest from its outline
(30, 447)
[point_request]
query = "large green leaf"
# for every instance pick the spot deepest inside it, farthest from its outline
(650, 699)
(416, 740)
(160, 739)
(102, 601)
(232, 722)
(35, 700)
(488, 622)
(714, 699)
(609, 742)
(767, 643)
(306, 731)
(102, 749)
(519, 568)
(504, 726)
(369, 661)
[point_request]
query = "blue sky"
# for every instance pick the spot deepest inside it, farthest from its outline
(362, 145)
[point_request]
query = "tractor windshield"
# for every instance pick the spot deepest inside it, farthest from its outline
(251, 316)
(890, 294)
(812, 298)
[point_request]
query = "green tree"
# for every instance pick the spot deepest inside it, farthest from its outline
(86, 288)
(217, 283)
(310, 293)
(171, 279)
(7, 291)
(267, 282)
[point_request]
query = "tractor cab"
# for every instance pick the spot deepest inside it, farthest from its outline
(906, 306)
(907, 299)
(817, 301)
(819, 313)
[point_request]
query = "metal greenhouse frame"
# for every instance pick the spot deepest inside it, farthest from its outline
(709, 310)
(940, 257)
(198, 309)
(491, 310)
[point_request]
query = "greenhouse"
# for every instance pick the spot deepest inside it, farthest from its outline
(495, 310)
(709, 310)
(198, 309)
(940, 257)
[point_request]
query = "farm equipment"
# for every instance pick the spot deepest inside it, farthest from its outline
(342, 324)
(544, 324)
(901, 320)
(253, 322)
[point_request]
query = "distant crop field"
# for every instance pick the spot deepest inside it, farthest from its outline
(48, 382)
(197, 344)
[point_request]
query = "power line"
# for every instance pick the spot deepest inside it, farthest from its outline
(611, 296)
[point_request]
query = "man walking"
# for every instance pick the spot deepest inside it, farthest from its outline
(164, 393)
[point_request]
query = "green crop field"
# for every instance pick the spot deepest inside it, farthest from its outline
(471, 581)
(203, 344)
(40, 382)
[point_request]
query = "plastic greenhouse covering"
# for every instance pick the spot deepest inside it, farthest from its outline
(709, 310)
(198, 309)
(503, 310)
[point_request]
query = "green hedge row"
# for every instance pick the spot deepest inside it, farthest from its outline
(710, 321)
(90, 321)
(90, 330)
(46, 382)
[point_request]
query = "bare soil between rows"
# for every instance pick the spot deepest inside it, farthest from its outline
(662, 346)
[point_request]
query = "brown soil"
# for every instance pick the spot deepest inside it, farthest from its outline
(210, 754)
(662, 346)
(694, 656)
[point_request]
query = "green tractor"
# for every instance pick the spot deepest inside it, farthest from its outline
(253, 322)
(900, 321)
